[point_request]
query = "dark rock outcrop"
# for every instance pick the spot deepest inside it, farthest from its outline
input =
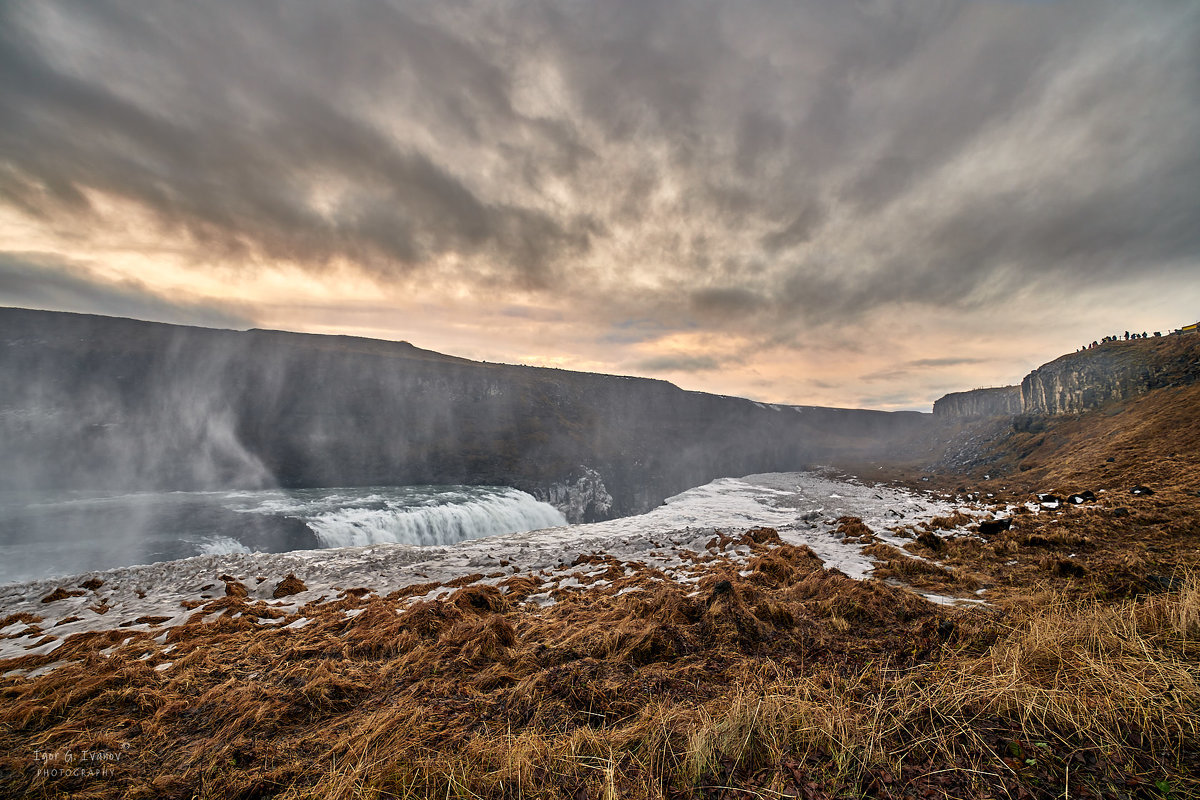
(105, 403)
(993, 527)
(581, 499)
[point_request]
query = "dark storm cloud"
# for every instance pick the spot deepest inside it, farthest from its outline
(730, 301)
(238, 154)
(31, 280)
(799, 230)
(772, 164)
(636, 331)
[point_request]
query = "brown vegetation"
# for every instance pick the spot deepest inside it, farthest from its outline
(792, 680)
(289, 586)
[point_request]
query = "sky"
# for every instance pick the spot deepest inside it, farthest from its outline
(858, 203)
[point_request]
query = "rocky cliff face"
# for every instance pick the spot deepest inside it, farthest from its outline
(996, 402)
(583, 499)
(96, 402)
(1085, 380)
(1111, 372)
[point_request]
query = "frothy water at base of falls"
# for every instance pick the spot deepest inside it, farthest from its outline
(54, 533)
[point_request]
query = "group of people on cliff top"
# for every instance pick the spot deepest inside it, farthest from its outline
(1128, 336)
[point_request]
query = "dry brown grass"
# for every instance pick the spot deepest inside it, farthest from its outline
(948, 523)
(1067, 681)
(791, 671)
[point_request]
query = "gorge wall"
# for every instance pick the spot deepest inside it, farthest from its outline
(103, 403)
(1085, 380)
(995, 402)
(1113, 371)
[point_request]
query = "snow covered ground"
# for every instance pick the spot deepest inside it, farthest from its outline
(802, 507)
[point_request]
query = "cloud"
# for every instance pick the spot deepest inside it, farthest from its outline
(949, 361)
(890, 375)
(781, 173)
(679, 363)
(35, 280)
(263, 160)
(726, 301)
(635, 331)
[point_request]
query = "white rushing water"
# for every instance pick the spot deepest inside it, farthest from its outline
(473, 516)
(56, 533)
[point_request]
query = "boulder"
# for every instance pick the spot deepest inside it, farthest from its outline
(991, 527)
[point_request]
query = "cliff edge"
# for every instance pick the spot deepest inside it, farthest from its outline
(1113, 371)
(1078, 382)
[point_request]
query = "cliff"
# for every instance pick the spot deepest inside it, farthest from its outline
(999, 401)
(103, 403)
(1113, 371)
(1077, 382)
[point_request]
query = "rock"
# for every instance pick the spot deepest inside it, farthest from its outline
(1003, 401)
(991, 527)
(1086, 496)
(584, 499)
(1141, 491)
(1110, 460)
(1119, 512)
(289, 586)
